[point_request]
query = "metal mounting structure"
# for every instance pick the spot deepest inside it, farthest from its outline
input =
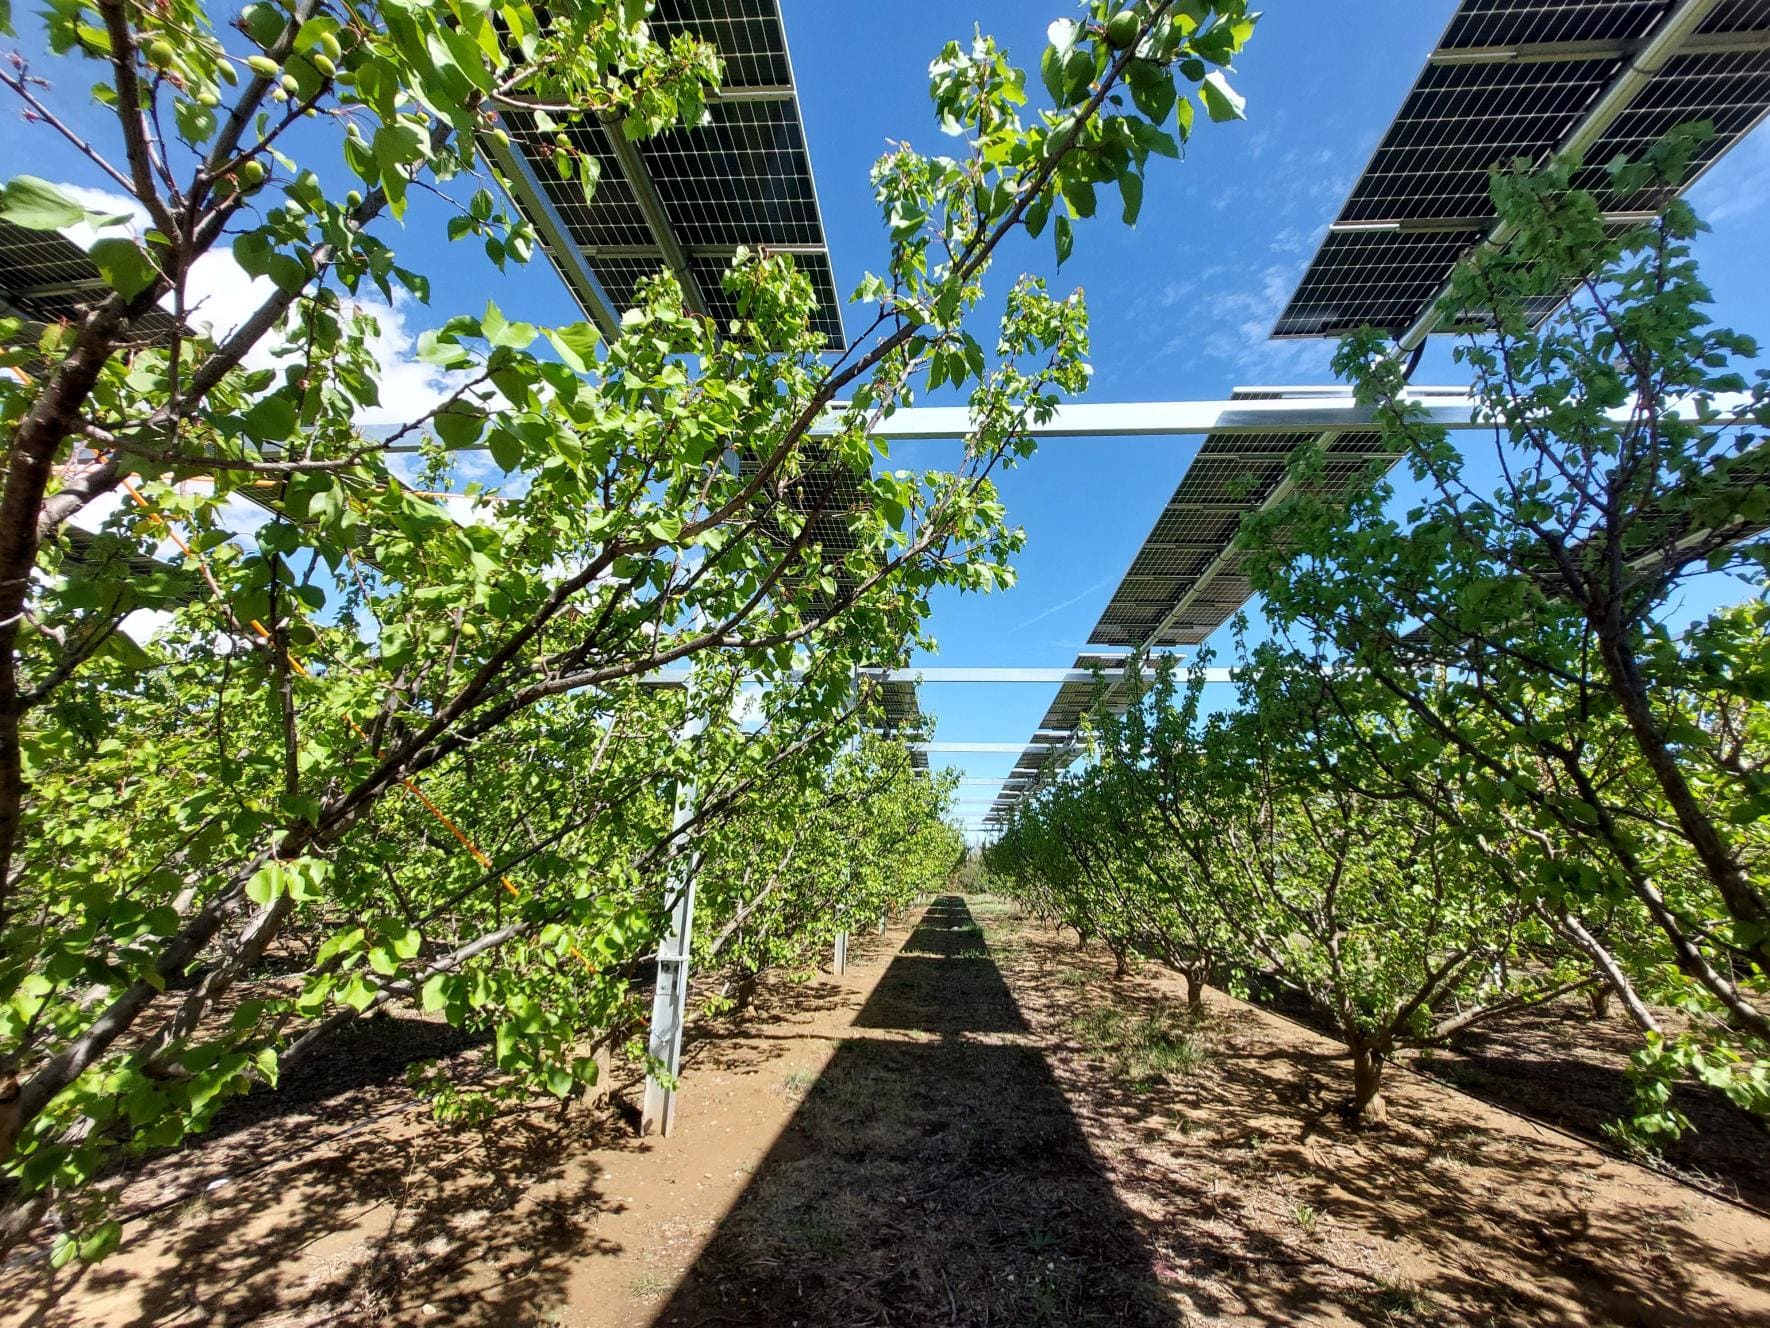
(1511, 81)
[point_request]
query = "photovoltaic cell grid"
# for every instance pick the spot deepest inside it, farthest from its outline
(1510, 80)
(1186, 581)
(48, 278)
(741, 179)
(1063, 717)
(897, 712)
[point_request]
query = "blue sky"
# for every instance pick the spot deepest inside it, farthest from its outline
(1180, 305)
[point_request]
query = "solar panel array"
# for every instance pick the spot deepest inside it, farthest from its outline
(896, 712)
(741, 179)
(1511, 80)
(48, 278)
(1049, 750)
(1187, 581)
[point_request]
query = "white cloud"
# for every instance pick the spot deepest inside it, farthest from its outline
(106, 201)
(219, 296)
(1240, 321)
(409, 387)
(1739, 185)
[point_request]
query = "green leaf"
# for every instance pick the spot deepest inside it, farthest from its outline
(100, 1241)
(1222, 102)
(435, 993)
(1065, 238)
(271, 419)
(125, 265)
(38, 205)
(576, 345)
(1131, 190)
(1152, 89)
(506, 449)
(267, 883)
(460, 424)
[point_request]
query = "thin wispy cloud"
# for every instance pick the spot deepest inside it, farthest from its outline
(1059, 607)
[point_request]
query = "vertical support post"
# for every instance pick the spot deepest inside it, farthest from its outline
(669, 1005)
(840, 964)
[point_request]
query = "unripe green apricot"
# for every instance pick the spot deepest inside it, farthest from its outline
(159, 53)
(1121, 29)
(262, 65)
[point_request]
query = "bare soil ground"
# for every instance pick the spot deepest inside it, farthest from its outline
(974, 1126)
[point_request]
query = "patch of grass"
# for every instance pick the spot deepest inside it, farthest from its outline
(798, 1083)
(1306, 1216)
(1403, 1302)
(650, 1286)
(1144, 1050)
(1038, 1240)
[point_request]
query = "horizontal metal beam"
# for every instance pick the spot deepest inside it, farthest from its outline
(1451, 225)
(759, 92)
(644, 251)
(1015, 747)
(1143, 419)
(1017, 675)
(1151, 419)
(1703, 43)
(680, 677)
(78, 286)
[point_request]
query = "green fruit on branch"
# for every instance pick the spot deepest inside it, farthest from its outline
(159, 53)
(262, 65)
(1121, 29)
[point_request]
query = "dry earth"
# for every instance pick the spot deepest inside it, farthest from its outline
(949, 1134)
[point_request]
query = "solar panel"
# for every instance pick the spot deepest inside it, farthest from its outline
(892, 708)
(1185, 582)
(47, 278)
(1523, 79)
(690, 198)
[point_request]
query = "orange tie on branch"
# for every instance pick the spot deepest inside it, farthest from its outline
(410, 784)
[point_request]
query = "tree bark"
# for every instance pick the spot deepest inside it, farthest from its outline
(1367, 1106)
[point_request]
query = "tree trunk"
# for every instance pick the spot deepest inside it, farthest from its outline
(1600, 996)
(1367, 1106)
(1121, 964)
(1195, 988)
(744, 994)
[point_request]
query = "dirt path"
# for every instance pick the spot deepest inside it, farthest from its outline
(934, 1174)
(976, 1126)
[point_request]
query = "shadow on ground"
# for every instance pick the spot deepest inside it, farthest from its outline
(336, 1201)
(929, 1180)
(1271, 1208)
